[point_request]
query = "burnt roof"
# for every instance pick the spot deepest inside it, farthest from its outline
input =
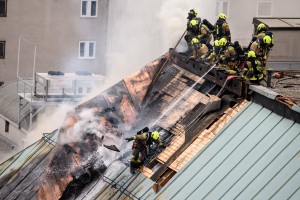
(178, 102)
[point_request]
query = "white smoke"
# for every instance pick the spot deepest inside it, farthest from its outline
(141, 31)
(47, 121)
(138, 33)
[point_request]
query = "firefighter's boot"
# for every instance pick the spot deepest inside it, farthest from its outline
(132, 168)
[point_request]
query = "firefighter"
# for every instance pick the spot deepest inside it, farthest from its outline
(192, 15)
(233, 56)
(215, 54)
(142, 140)
(262, 48)
(253, 70)
(222, 28)
(205, 36)
(193, 31)
(199, 50)
(261, 32)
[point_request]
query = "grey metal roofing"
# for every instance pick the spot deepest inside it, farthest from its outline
(9, 101)
(25, 168)
(280, 22)
(123, 183)
(6, 150)
(256, 155)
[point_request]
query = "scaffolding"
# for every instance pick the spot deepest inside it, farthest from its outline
(48, 89)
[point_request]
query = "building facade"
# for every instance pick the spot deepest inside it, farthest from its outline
(241, 13)
(38, 36)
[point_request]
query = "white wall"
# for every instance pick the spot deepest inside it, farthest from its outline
(14, 135)
(242, 12)
(56, 27)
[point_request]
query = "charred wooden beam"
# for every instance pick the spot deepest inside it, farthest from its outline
(189, 137)
(236, 86)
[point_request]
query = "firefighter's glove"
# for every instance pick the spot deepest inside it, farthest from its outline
(192, 58)
(162, 145)
(128, 139)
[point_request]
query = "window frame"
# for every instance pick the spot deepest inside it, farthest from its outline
(257, 8)
(86, 52)
(4, 44)
(220, 8)
(5, 9)
(88, 9)
(6, 128)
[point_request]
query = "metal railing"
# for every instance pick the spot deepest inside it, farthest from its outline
(27, 89)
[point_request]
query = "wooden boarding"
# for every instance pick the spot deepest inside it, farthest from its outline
(235, 86)
(204, 137)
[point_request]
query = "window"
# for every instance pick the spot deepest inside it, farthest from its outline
(3, 7)
(222, 7)
(264, 8)
(87, 49)
(6, 126)
(89, 8)
(80, 90)
(2, 49)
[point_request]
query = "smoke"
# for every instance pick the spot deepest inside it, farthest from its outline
(141, 31)
(138, 32)
(77, 125)
(47, 121)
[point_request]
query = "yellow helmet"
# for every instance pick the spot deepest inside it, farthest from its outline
(193, 23)
(155, 135)
(251, 54)
(222, 42)
(192, 14)
(195, 41)
(195, 11)
(222, 16)
(216, 43)
(267, 39)
(261, 26)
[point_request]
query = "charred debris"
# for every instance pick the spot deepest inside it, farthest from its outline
(186, 100)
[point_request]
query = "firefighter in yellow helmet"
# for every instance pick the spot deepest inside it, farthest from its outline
(262, 48)
(199, 50)
(214, 56)
(222, 29)
(141, 142)
(253, 70)
(233, 56)
(205, 36)
(261, 32)
(192, 15)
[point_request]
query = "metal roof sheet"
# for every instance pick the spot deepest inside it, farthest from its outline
(263, 91)
(281, 22)
(25, 168)
(256, 155)
(9, 101)
(274, 22)
(140, 188)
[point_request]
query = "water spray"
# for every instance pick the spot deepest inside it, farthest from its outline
(183, 95)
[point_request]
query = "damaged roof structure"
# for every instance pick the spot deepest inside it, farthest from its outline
(225, 139)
